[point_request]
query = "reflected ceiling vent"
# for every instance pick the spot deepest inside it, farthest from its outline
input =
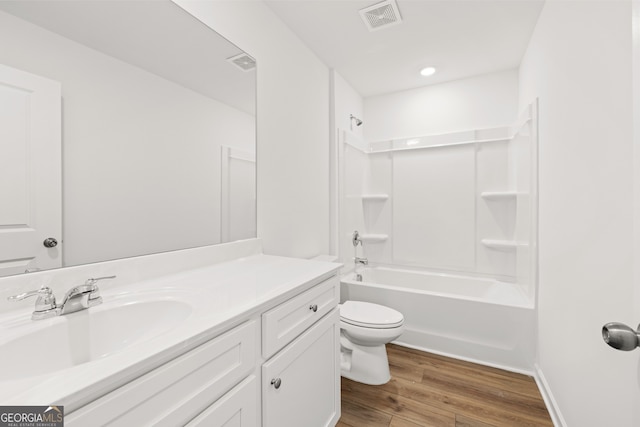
(381, 15)
(243, 61)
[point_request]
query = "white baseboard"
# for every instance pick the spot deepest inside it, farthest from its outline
(547, 396)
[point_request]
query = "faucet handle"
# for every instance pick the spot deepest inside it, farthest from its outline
(46, 300)
(42, 291)
(94, 296)
(93, 280)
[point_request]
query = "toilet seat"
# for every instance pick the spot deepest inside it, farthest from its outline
(368, 315)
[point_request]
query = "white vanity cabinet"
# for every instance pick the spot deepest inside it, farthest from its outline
(176, 392)
(301, 383)
(279, 367)
(299, 386)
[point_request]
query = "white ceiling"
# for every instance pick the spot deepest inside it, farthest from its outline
(461, 38)
(157, 36)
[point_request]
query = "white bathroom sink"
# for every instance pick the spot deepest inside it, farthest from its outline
(51, 345)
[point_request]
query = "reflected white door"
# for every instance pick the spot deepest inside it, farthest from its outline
(30, 171)
(238, 195)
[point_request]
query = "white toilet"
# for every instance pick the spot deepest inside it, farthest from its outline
(365, 328)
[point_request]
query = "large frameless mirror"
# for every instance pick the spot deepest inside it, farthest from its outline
(126, 128)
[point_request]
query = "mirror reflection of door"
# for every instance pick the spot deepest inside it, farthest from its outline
(238, 194)
(30, 172)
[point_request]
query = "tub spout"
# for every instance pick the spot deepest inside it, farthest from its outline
(362, 261)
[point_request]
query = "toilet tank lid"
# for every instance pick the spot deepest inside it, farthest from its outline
(369, 313)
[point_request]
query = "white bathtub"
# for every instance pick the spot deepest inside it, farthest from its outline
(475, 319)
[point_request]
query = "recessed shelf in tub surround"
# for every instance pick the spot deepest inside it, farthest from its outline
(500, 195)
(498, 134)
(375, 197)
(378, 197)
(505, 245)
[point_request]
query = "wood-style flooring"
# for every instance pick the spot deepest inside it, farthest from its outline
(431, 390)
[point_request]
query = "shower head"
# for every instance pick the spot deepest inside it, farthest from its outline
(357, 120)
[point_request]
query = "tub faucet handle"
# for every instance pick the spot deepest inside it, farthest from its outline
(355, 239)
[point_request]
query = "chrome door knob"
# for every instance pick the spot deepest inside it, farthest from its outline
(621, 336)
(50, 242)
(276, 382)
(313, 307)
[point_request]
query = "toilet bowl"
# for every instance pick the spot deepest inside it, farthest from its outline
(365, 328)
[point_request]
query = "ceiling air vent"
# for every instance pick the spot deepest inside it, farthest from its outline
(381, 15)
(243, 61)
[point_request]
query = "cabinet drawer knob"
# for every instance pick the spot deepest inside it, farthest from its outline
(276, 382)
(313, 307)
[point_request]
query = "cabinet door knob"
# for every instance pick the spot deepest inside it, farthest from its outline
(276, 382)
(313, 307)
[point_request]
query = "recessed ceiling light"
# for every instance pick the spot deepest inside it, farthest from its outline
(428, 71)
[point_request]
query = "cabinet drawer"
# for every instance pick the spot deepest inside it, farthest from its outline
(176, 392)
(238, 408)
(301, 384)
(285, 322)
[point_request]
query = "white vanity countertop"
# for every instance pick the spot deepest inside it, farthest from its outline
(221, 296)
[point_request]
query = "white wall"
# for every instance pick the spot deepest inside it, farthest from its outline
(141, 155)
(347, 101)
(579, 65)
(480, 102)
(293, 126)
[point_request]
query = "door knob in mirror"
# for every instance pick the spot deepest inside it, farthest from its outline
(50, 242)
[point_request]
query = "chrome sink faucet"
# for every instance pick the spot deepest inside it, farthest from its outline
(76, 299)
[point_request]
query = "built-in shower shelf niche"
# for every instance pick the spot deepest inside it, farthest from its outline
(375, 197)
(374, 238)
(371, 197)
(500, 195)
(503, 245)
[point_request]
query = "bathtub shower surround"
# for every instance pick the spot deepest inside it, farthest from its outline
(434, 207)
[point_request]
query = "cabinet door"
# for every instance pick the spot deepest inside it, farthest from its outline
(175, 392)
(301, 384)
(238, 408)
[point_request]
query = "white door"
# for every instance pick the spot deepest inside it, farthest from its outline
(238, 195)
(30, 172)
(635, 45)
